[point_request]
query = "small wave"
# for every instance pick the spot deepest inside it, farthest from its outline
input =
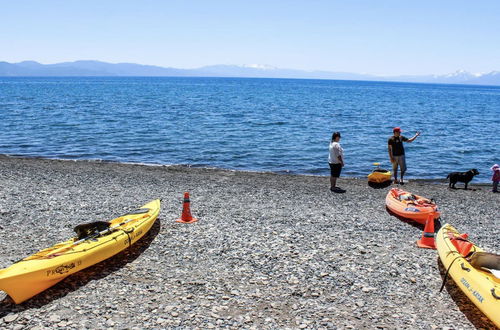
(267, 125)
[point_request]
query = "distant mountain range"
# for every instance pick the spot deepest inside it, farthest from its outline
(97, 68)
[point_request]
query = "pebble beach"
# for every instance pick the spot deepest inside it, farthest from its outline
(270, 251)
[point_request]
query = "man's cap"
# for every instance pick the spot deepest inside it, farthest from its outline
(396, 129)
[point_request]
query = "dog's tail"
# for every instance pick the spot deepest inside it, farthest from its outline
(448, 176)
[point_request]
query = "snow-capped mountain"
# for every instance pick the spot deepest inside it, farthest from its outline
(459, 75)
(97, 68)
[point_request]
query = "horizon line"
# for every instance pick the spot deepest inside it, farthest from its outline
(265, 67)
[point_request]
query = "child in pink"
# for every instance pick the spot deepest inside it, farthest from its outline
(496, 177)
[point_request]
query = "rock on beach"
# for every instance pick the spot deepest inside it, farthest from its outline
(269, 250)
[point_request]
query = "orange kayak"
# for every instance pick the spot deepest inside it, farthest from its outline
(411, 206)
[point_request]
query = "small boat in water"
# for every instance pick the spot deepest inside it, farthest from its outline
(36, 273)
(411, 206)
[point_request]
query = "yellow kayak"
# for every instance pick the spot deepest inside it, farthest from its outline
(32, 275)
(480, 285)
(379, 176)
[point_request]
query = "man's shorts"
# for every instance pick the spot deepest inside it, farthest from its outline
(335, 170)
(401, 161)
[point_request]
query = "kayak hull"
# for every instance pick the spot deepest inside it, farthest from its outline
(479, 285)
(47, 267)
(410, 206)
(379, 176)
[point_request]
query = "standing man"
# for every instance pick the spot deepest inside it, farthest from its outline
(336, 161)
(397, 152)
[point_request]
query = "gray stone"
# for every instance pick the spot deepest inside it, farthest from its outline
(268, 251)
(10, 318)
(54, 318)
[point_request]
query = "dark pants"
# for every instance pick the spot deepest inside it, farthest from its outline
(335, 170)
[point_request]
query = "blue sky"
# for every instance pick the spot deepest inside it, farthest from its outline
(385, 37)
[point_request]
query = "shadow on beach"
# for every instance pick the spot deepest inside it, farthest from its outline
(81, 278)
(405, 220)
(437, 222)
(381, 185)
(467, 307)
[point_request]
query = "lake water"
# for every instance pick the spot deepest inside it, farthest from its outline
(278, 125)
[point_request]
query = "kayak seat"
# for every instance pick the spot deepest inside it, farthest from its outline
(462, 244)
(485, 260)
(407, 197)
(404, 197)
(86, 230)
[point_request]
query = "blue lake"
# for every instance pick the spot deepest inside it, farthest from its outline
(278, 125)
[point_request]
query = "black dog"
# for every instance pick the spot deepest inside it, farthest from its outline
(90, 229)
(464, 177)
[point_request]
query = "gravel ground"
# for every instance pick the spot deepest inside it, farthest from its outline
(269, 251)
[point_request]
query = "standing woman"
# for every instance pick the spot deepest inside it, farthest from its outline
(336, 161)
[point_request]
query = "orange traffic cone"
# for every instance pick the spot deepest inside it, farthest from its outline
(186, 216)
(427, 240)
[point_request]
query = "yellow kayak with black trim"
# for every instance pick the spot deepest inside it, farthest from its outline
(480, 285)
(36, 273)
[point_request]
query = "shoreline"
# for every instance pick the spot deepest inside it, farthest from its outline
(286, 173)
(269, 250)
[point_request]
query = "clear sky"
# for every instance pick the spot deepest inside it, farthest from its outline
(382, 37)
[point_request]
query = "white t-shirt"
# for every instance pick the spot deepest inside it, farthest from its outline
(335, 151)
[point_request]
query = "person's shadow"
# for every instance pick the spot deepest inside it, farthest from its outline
(81, 278)
(467, 307)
